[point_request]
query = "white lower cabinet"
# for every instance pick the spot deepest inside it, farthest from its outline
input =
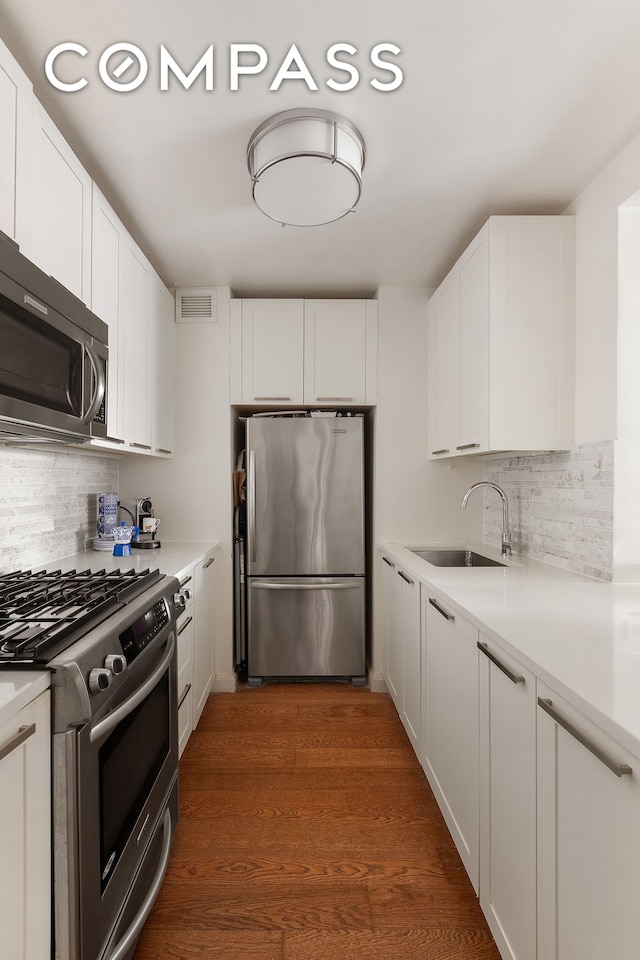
(185, 631)
(25, 832)
(507, 711)
(203, 650)
(450, 739)
(588, 838)
(402, 618)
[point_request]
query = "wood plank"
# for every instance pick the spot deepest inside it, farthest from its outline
(308, 831)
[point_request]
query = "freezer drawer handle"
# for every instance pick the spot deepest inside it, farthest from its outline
(620, 769)
(306, 586)
(443, 613)
(514, 677)
(23, 734)
(406, 579)
(252, 504)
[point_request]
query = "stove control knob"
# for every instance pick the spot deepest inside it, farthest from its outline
(116, 663)
(179, 601)
(99, 679)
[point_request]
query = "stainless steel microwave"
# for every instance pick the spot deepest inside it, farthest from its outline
(53, 357)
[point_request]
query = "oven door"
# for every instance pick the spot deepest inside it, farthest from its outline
(122, 768)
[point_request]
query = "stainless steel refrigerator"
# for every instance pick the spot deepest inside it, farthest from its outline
(305, 560)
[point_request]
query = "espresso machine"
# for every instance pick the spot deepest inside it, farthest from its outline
(140, 513)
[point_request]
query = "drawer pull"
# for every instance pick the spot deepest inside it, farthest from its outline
(406, 579)
(620, 769)
(448, 616)
(23, 734)
(434, 453)
(184, 582)
(514, 677)
(467, 446)
(185, 625)
(208, 563)
(389, 563)
(185, 694)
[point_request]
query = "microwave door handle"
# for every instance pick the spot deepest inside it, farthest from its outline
(111, 721)
(98, 375)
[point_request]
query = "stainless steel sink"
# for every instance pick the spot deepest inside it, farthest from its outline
(456, 558)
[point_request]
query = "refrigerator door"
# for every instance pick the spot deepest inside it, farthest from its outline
(306, 627)
(305, 492)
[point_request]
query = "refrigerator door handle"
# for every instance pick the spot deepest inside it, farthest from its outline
(251, 520)
(308, 586)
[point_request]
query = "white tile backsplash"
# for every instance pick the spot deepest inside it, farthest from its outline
(48, 503)
(561, 507)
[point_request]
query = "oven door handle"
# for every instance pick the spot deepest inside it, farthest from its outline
(134, 930)
(113, 719)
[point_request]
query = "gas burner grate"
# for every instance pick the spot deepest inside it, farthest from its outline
(40, 613)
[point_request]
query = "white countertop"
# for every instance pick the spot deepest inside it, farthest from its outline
(17, 688)
(579, 635)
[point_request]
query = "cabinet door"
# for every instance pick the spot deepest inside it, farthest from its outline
(392, 595)
(25, 833)
(335, 351)
(162, 369)
(15, 149)
(450, 740)
(411, 659)
(108, 241)
(508, 801)
(444, 373)
(473, 431)
(61, 213)
(185, 676)
(272, 351)
(203, 654)
(588, 838)
(136, 351)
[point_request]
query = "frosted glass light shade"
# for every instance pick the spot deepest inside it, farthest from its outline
(306, 167)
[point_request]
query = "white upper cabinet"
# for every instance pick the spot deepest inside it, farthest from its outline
(337, 337)
(501, 341)
(311, 352)
(61, 209)
(272, 351)
(108, 240)
(162, 371)
(136, 350)
(15, 149)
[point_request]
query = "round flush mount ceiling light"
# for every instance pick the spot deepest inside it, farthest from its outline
(306, 167)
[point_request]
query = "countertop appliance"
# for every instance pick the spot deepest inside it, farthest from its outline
(139, 511)
(53, 368)
(305, 556)
(109, 640)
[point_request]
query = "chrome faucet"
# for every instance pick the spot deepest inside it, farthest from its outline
(506, 533)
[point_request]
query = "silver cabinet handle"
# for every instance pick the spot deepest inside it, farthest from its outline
(436, 452)
(185, 694)
(265, 399)
(124, 946)
(389, 563)
(620, 769)
(406, 579)
(467, 446)
(162, 450)
(448, 616)
(185, 625)
(208, 563)
(101, 385)
(514, 677)
(252, 505)
(308, 586)
(184, 582)
(23, 734)
(140, 446)
(332, 399)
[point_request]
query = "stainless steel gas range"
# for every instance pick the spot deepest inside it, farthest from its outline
(109, 640)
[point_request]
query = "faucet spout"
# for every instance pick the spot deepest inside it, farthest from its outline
(506, 532)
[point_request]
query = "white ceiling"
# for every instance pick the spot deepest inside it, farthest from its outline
(507, 106)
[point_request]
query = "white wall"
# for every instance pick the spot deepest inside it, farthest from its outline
(192, 493)
(414, 498)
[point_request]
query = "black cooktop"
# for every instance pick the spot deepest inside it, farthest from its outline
(42, 613)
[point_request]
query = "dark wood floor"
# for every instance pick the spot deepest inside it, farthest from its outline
(308, 832)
